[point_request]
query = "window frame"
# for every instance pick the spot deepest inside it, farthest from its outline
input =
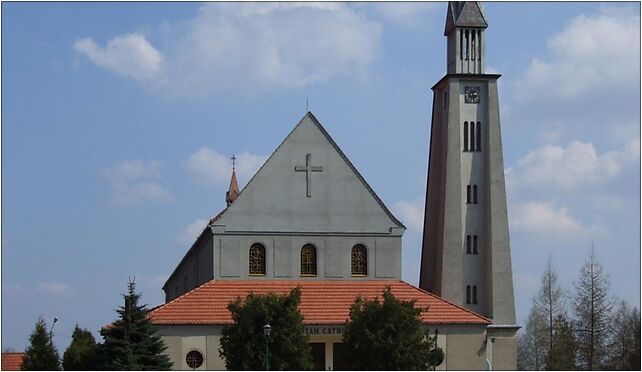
(199, 353)
(263, 251)
(314, 260)
(359, 246)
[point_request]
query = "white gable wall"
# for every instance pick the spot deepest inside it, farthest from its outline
(275, 199)
(274, 210)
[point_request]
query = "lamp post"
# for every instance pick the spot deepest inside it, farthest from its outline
(52, 327)
(266, 331)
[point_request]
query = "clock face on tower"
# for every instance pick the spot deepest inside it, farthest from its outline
(471, 94)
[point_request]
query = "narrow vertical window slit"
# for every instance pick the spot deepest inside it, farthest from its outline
(465, 136)
(474, 194)
(468, 244)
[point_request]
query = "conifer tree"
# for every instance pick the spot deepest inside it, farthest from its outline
(592, 308)
(550, 304)
(624, 343)
(130, 341)
(564, 344)
(633, 359)
(532, 343)
(243, 344)
(82, 353)
(388, 335)
(41, 353)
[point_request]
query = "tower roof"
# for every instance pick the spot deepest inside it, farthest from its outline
(464, 14)
(233, 191)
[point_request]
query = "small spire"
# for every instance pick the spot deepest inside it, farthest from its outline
(233, 192)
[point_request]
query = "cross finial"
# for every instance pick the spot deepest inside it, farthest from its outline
(233, 162)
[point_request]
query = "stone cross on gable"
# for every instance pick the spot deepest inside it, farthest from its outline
(308, 169)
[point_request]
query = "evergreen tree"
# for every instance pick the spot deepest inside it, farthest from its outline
(633, 358)
(532, 343)
(130, 341)
(564, 344)
(550, 304)
(625, 339)
(82, 353)
(243, 344)
(41, 353)
(592, 314)
(388, 335)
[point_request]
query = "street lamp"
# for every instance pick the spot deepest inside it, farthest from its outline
(266, 331)
(52, 327)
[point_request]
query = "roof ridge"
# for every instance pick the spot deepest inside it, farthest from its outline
(354, 169)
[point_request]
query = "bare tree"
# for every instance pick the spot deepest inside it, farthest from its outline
(532, 343)
(550, 304)
(592, 308)
(623, 346)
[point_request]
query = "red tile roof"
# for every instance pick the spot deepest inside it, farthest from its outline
(322, 301)
(12, 361)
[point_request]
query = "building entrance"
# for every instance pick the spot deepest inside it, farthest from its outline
(318, 355)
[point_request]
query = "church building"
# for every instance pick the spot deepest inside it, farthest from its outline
(308, 218)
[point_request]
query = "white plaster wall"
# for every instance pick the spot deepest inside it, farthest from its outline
(284, 261)
(275, 199)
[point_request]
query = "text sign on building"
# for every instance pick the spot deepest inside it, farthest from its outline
(323, 330)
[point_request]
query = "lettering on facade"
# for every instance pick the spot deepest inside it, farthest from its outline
(323, 330)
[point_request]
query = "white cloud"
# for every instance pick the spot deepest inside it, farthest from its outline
(411, 213)
(234, 45)
(133, 181)
(547, 221)
(568, 168)
(591, 53)
(129, 55)
(192, 231)
(55, 288)
(209, 167)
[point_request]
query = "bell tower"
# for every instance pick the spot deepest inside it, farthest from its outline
(466, 248)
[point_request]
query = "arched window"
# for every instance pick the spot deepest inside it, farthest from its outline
(465, 136)
(359, 260)
(478, 136)
(468, 198)
(309, 260)
(474, 194)
(467, 294)
(474, 294)
(257, 259)
(472, 136)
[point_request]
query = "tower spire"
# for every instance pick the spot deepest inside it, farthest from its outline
(465, 25)
(233, 191)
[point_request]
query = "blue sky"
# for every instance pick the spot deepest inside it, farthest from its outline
(118, 120)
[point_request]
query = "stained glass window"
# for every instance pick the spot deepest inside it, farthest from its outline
(359, 260)
(308, 260)
(257, 259)
(194, 359)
